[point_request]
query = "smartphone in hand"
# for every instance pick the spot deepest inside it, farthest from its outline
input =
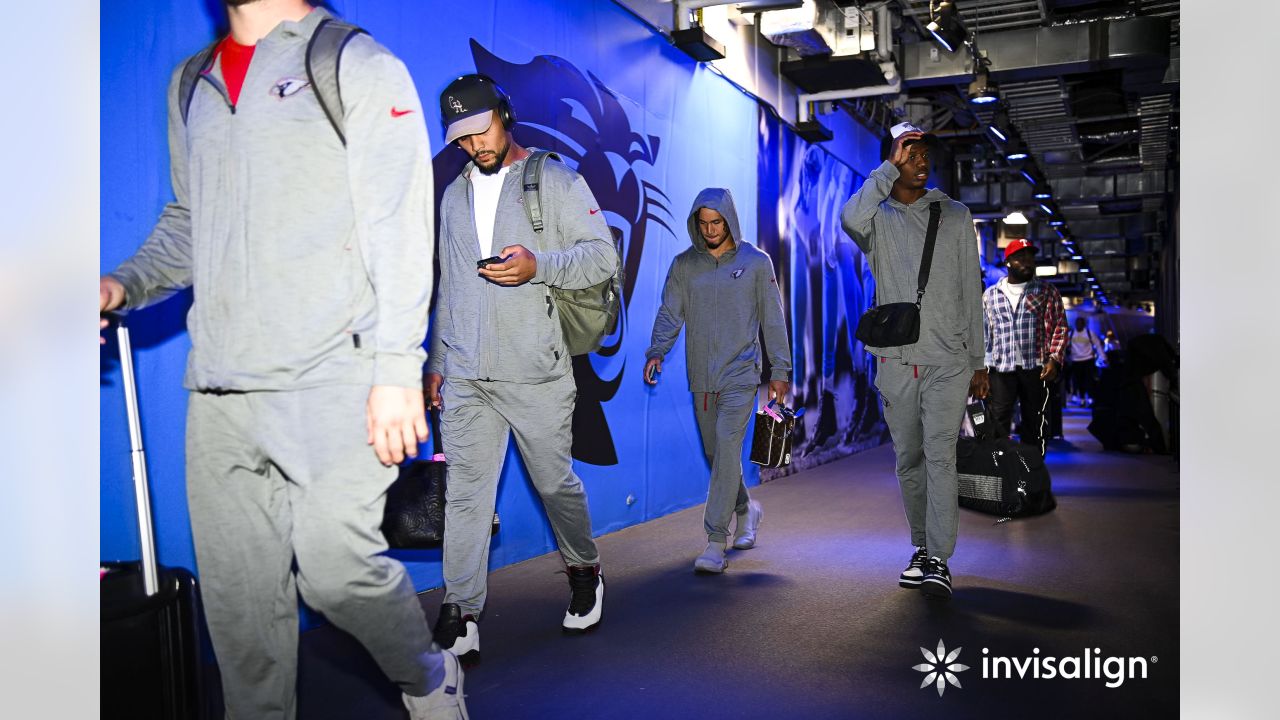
(489, 261)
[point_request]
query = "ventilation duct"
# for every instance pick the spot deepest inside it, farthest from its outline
(1047, 52)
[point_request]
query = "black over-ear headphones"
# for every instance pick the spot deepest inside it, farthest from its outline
(506, 115)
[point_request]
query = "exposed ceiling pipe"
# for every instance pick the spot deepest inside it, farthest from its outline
(884, 34)
(893, 88)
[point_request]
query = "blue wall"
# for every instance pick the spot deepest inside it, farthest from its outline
(644, 123)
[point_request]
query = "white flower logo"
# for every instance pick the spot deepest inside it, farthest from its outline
(941, 668)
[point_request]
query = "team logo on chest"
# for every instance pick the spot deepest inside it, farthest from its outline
(286, 87)
(738, 273)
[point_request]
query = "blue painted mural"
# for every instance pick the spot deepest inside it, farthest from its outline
(645, 125)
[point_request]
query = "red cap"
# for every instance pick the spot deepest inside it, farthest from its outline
(1016, 245)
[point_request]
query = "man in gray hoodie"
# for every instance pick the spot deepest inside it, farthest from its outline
(923, 385)
(310, 259)
(498, 363)
(724, 292)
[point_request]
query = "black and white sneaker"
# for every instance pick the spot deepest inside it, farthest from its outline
(914, 574)
(458, 633)
(937, 579)
(586, 599)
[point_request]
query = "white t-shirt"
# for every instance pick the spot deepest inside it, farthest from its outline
(1082, 346)
(485, 191)
(1014, 294)
(1012, 291)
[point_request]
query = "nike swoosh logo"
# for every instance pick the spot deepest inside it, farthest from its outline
(593, 212)
(399, 113)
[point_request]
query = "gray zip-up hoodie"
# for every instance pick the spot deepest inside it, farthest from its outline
(310, 262)
(484, 331)
(892, 235)
(725, 304)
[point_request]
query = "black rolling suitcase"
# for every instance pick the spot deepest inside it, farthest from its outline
(149, 642)
(998, 476)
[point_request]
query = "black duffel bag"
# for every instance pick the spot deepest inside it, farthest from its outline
(1002, 477)
(898, 323)
(998, 476)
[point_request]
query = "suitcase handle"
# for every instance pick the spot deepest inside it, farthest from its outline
(141, 491)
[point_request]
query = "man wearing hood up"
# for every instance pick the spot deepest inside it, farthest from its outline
(724, 290)
(923, 385)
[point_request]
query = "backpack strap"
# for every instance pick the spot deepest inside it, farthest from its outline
(324, 60)
(531, 181)
(196, 65)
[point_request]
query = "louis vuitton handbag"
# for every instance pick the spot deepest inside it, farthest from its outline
(771, 442)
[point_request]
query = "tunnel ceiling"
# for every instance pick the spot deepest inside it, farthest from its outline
(1090, 87)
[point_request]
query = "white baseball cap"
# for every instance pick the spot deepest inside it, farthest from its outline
(906, 127)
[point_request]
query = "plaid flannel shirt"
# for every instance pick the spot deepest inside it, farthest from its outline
(1034, 331)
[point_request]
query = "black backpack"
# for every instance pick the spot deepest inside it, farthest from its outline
(324, 52)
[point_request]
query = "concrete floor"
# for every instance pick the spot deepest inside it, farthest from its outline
(811, 623)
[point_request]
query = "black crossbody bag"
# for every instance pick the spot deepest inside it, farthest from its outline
(897, 324)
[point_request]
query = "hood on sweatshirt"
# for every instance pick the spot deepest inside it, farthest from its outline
(720, 200)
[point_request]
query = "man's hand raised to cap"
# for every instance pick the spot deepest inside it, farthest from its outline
(518, 268)
(898, 154)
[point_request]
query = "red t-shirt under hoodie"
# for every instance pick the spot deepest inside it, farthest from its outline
(235, 64)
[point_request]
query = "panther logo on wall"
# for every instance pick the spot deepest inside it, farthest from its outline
(558, 107)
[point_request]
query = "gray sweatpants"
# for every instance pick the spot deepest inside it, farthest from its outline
(722, 420)
(924, 407)
(278, 478)
(477, 419)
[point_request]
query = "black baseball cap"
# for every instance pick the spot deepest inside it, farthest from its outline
(467, 105)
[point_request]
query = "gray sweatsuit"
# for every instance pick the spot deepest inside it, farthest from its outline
(923, 385)
(725, 304)
(311, 266)
(502, 355)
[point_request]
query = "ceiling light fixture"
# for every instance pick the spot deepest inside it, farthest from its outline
(982, 91)
(1015, 218)
(999, 127)
(945, 25)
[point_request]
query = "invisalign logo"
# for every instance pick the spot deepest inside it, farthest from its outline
(941, 668)
(1093, 666)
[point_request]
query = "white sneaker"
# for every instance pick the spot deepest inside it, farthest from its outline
(586, 599)
(446, 701)
(712, 560)
(744, 536)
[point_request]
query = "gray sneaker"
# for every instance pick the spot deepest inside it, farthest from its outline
(446, 701)
(712, 560)
(744, 536)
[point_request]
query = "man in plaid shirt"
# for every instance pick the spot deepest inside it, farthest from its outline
(1025, 330)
